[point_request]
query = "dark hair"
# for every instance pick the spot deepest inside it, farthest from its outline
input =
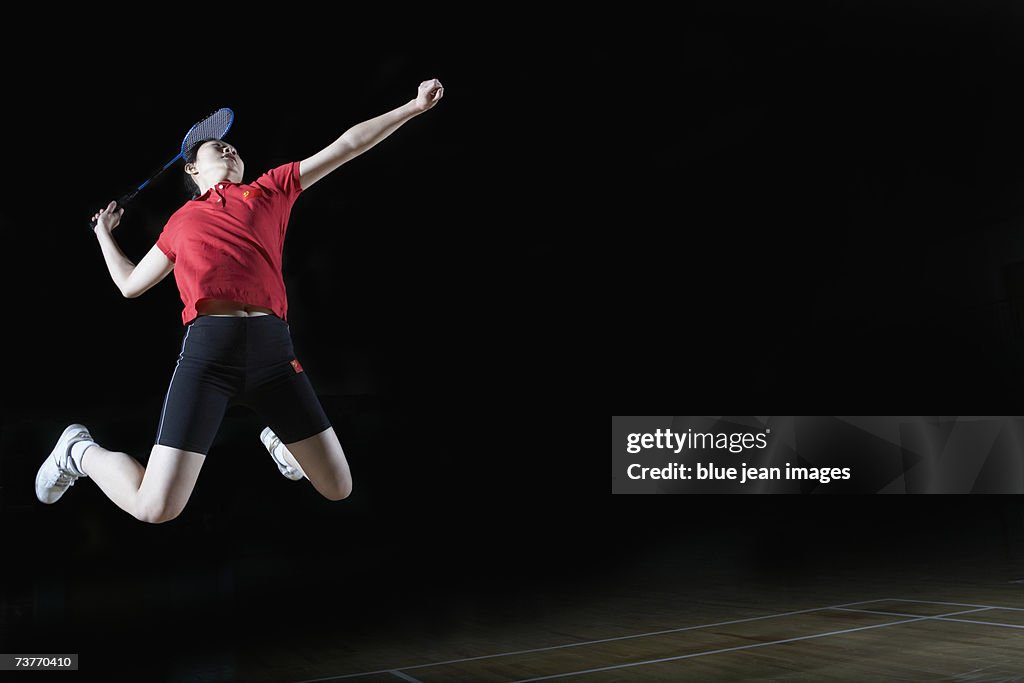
(190, 158)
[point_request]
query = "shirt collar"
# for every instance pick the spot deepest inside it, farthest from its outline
(206, 195)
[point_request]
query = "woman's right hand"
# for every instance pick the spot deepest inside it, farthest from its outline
(108, 218)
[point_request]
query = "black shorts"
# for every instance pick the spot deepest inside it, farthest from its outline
(245, 360)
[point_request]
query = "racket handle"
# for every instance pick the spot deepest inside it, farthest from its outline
(120, 204)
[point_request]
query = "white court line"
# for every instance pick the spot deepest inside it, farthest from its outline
(975, 621)
(981, 608)
(752, 646)
(955, 604)
(900, 614)
(946, 617)
(715, 652)
(580, 644)
(461, 660)
(404, 677)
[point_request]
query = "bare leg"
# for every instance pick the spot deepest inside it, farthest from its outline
(322, 461)
(156, 493)
(118, 475)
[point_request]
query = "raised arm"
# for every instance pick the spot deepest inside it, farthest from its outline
(365, 135)
(131, 279)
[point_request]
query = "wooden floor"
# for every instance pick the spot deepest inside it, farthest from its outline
(901, 639)
(653, 615)
(961, 620)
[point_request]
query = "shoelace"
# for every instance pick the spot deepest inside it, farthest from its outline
(66, 476)
(65, 479)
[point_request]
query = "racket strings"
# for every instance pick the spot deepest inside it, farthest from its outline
(214, 126)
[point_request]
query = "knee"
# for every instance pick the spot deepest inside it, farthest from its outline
(339, 490)
(155, 514)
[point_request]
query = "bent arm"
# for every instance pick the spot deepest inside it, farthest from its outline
(365, 135)
(133, 279)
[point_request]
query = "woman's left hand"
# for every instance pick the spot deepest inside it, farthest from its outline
(429, 93)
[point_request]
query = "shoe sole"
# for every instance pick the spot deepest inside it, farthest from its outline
(53, 455)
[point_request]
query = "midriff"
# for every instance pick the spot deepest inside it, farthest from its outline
(220, 307)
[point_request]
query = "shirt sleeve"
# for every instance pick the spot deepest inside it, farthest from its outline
(283, 180)
(165, 244)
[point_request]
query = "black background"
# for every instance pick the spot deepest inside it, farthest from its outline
(796, 208)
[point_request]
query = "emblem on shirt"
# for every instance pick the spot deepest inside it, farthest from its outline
(296, 366)
(252, 193)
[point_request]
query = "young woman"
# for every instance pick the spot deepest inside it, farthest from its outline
(225, 248)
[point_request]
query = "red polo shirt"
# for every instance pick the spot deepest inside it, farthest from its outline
(228, 243)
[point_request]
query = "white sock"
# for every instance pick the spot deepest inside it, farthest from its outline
(78, 450)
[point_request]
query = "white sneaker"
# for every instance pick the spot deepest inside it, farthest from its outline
(60, 471)
(271, 442)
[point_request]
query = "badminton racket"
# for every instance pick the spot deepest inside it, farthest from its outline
(216, 125)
